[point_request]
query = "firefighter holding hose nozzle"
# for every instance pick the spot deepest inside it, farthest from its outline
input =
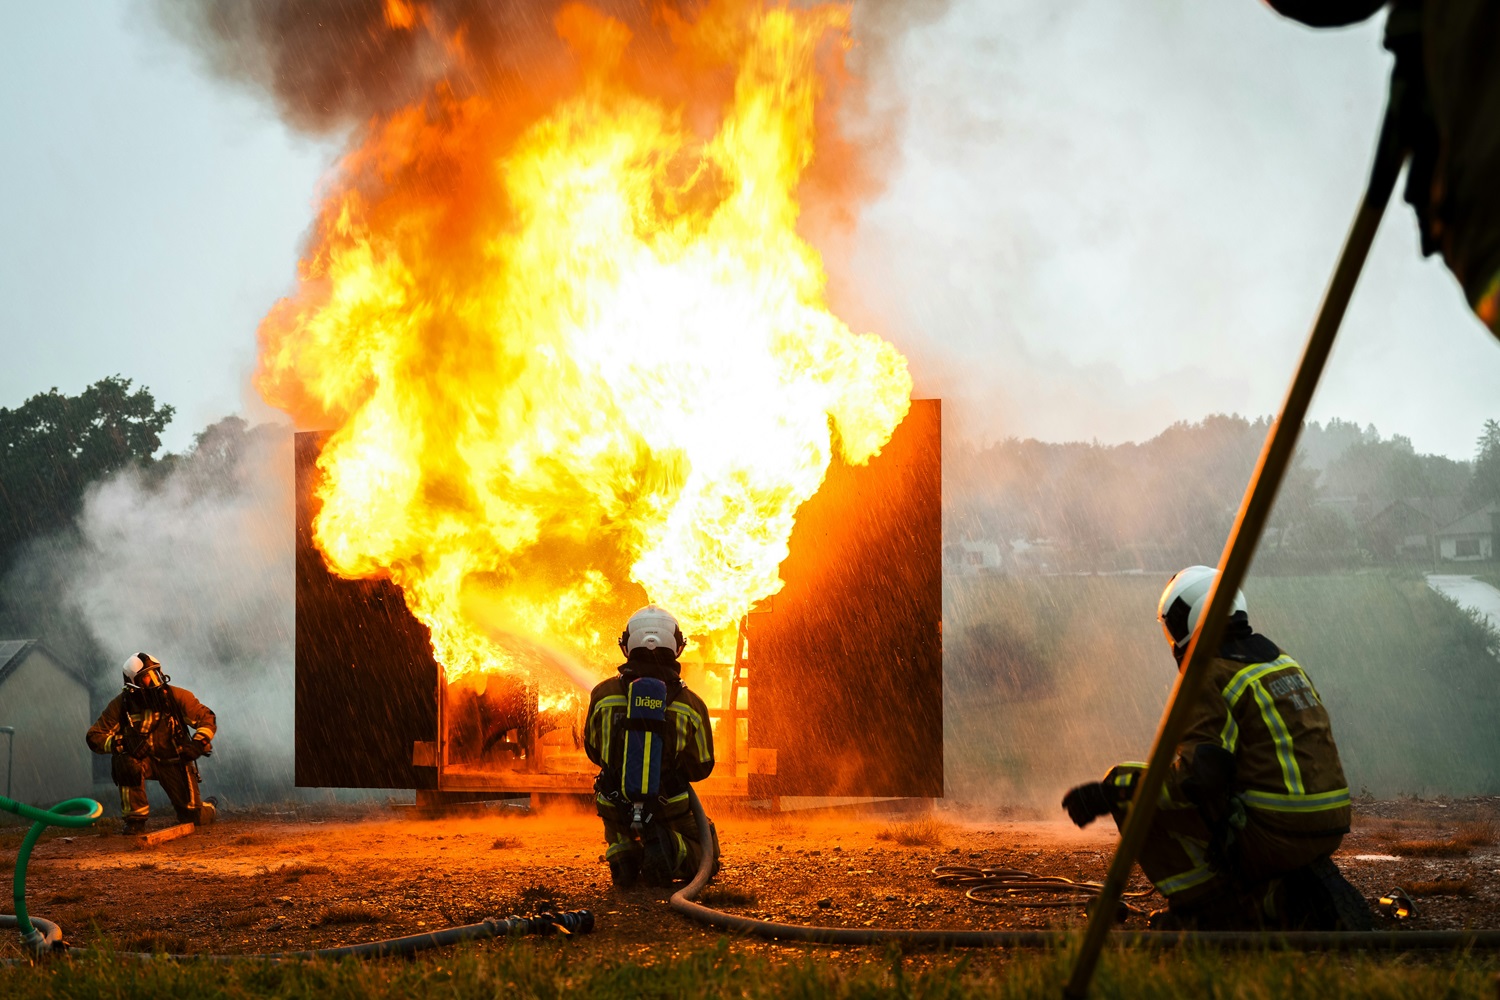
(650, 736)
(157, 731)
(1256, 802)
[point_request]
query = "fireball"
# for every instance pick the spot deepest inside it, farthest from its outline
(571, 349)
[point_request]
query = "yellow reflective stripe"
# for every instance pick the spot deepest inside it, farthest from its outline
(1303, 803)
(700, 739)
(1229, 738)
(678, 798)
(646, 763)
(1254, 672)
(603, 801)
(624, 846)
(600, 719)
(1188, 879)
(1285, 755)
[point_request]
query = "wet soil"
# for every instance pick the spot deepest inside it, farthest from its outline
(295, 879)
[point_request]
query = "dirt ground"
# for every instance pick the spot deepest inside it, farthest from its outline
(295, 879)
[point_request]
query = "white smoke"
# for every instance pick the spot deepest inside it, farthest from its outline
(192, 561)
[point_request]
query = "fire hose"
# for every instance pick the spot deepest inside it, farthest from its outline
(683, 901)
(1014, 887)
(41, 937)
(75, 814)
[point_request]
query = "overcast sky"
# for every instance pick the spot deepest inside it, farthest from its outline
(1103, 217)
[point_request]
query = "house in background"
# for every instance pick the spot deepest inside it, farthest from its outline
(1408, 528)
(46, 702)
(966, 558)
(1470, 538)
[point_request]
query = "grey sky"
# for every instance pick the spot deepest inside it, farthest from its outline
(1103, 217)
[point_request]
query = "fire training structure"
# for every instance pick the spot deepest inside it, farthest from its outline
(837, 688)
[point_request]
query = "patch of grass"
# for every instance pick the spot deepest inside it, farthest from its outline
(556, 968)
(295, 870)
(925, 832)
(87, 917)
(1460, 845)
(157, 942)
(505, 843)
(242, 918)
(350, 913)
(539, 894)
(1441, 887)
(1429, 849)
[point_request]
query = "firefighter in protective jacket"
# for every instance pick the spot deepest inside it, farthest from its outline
(157, 731)
(1255, 802)
(650, 736)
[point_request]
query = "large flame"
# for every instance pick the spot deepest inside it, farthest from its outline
(573, 350)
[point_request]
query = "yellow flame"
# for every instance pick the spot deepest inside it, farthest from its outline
(583, 361)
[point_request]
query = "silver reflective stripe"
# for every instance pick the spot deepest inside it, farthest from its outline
(1291, 773)
(1188, 879)
(1304, 803)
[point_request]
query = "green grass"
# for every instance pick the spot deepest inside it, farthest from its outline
(1050, 680)
(554, 969)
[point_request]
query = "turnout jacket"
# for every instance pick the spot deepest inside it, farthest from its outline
(142, 723)
(692, 745)
(1261, 707)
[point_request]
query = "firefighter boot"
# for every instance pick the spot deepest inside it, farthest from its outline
(134, 827)
(1317, 897)
(663, 856)
(624, 857)
(624, 870)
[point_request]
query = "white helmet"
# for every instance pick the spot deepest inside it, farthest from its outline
(142, 670)
(652, 628)
(1183, 601)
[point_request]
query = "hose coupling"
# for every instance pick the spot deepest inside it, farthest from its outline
(550, 922)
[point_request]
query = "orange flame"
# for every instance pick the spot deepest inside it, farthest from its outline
(574, 351)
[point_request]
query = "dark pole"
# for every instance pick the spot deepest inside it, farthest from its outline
(10, 755)
(1275, 457)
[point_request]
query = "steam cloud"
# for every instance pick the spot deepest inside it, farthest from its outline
(197, 568)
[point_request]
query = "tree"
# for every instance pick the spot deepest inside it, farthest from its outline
(53, 446)
(1484, 482)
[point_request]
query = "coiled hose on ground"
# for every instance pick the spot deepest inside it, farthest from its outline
(683, 902)
(41, 937)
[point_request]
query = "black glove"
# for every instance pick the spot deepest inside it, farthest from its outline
(1087, 803)
(202, 745)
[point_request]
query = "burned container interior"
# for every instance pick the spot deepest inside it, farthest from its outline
(836, 688)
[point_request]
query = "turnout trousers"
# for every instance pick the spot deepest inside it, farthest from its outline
(683, 829)
(1175, 855)
(178, 779)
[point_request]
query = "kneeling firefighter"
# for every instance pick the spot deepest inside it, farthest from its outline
(650, 737)
(157, 731)
(1256, 802)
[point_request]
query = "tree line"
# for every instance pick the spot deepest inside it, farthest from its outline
(1172, 500)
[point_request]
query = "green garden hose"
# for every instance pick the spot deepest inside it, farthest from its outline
(74, 813)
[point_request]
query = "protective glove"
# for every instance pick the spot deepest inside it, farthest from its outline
(202, 745)
(1087, 803)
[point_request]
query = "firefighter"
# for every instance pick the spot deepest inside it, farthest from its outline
(153, 730)
(650, 737)
(1255, 802)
